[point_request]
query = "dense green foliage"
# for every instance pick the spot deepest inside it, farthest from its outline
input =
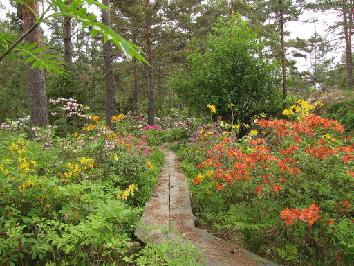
(343, 112)
(230, 69)
(75, 199)
(284, 194)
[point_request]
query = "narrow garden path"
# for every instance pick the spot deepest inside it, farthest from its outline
(168, 215)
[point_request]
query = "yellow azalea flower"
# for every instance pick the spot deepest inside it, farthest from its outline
(212, 108)
(89, 127)
(117, 118)
(27, 184)
(20, 146)
(287, 112)
(128, 192)
(253, 132)
(95, 118)
(237, 126)
(149, 165)
(115, 157)
(87, 163)
(209, 173)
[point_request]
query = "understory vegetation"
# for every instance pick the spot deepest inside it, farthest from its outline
(92, 92)
(283, 190)
(73, 199)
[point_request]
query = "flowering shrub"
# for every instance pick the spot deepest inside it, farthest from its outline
(286, 188)
(75, 201)
(67, 114)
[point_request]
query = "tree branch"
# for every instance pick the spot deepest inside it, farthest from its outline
(8, 50)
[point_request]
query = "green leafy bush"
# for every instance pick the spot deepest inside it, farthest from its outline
(74, 200)
(230, 69)
(343, 112)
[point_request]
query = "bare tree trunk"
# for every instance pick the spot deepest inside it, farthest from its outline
(108, 69)
(135, 89)
(35, 77)
(149, 74)
(68, 46)
(282, 47)
(347, 28)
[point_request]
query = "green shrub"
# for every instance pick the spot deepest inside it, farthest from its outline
(73, 200)
(230, 69)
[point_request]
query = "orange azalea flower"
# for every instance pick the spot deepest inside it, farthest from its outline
(347, 158)
(346, 205)
(258, 190)
(276, 188)
(289, 150)
(330, 221)
(282, 180)
(310, 215)
(266, 179)
(351, 173)
(199, 165)
(219, 187)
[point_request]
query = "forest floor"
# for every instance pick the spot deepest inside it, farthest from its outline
(168, 215)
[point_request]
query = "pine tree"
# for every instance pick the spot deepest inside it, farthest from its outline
(35, 76)
(108, 68)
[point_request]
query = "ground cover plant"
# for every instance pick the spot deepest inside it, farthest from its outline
(284, 190)
(74, 199)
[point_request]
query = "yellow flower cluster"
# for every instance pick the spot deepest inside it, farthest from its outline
(117, 118)
(26, 166)
(300, 109)
(329, 137)
(20, 146)
(150, 165)
(75, 169)
(89, 127)
(95, 118)
(212, 108)
(128, 192)
(27, 184)
(86, 163)
(227, 126)
(253, 132)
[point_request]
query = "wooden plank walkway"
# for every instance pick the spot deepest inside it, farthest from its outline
(168, 215)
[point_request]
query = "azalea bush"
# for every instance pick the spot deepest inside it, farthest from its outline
(284, 190)
(75, 199)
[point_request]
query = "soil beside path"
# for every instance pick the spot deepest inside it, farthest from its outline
(169, 215)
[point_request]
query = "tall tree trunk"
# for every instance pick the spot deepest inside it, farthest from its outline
(108, 69)
(135, 89)
(282, 47)
(35, 77)
(68, 46)
(149, 74)
(347, 28)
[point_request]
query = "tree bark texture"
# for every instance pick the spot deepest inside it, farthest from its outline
(282, 47)
(68, 46)
(108, 69)
(347, 28)
(35, 77)
(149, 56)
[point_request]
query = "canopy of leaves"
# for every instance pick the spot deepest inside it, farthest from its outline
(230, 70)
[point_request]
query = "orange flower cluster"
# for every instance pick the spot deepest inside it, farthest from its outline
(310, 215)
(305, 126)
